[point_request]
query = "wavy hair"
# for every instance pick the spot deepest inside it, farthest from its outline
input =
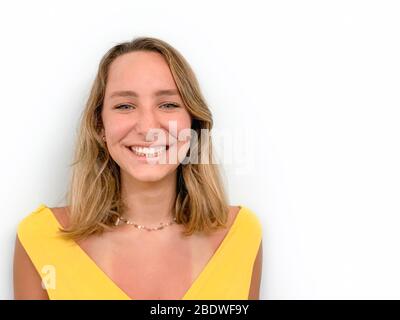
(94, 191)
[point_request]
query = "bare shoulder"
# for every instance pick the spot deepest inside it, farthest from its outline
(254, 292)
(27, 282)
(61, 214)
(233, 212)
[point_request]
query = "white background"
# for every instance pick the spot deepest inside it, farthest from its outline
(317, 82)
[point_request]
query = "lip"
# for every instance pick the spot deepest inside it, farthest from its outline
(155, 146)
(145, 158)
(148, 145)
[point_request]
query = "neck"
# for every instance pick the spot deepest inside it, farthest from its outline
(148, 203)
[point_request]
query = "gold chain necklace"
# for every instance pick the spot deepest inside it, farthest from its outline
(138, 226)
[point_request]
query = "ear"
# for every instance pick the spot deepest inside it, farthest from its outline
(102, 135)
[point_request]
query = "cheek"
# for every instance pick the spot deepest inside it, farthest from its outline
(184, 132)
(115, 126)
(178, 126)
(182, 135)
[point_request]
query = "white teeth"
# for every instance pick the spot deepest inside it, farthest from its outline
(152, 151)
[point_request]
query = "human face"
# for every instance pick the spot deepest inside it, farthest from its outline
(130, 118)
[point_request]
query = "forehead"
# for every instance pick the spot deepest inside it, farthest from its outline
(140, 71)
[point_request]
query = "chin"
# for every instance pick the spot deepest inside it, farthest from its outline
(149, 174)
(148, 179)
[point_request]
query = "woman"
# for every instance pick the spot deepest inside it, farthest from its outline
(142, 222)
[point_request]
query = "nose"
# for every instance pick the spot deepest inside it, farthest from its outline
(147, 123)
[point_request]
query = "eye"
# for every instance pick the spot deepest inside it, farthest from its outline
(171, 105)
(123, 105)
(166, 105)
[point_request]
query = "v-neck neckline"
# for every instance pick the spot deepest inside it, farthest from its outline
(201, 275)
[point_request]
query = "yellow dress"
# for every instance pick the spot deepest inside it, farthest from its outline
(69, 273)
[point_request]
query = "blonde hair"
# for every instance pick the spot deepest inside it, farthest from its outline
(94, 192)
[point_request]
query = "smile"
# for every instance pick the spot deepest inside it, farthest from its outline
(149, 152)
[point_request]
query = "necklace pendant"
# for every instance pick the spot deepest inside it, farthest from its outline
(138, 226)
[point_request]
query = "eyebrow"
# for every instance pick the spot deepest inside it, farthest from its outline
(130, 93)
